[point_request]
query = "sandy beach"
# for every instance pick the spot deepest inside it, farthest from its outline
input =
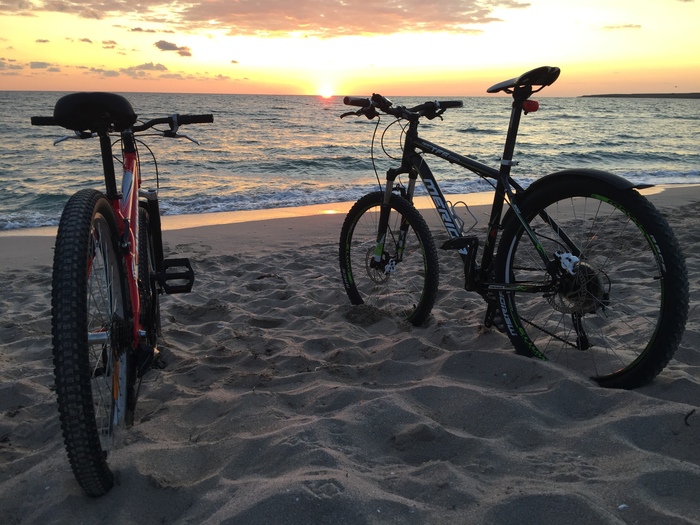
(280, 403)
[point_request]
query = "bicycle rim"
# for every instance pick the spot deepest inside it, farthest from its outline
(605, 318)
(106, 314)
(404, 282)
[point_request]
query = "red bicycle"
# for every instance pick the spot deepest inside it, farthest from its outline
(108, 273)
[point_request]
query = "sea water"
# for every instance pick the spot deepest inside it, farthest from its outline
(265, 151)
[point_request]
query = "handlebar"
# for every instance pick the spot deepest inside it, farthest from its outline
(173, 121)
(43, 121)
(369, 106)
(196, 119)
(357, 101)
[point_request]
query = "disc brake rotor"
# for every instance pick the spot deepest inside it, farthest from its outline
(585, 292)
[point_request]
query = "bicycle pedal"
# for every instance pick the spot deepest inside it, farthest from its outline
(177, 276)
(458, 243)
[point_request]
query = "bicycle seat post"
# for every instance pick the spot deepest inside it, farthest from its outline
(108, 166)
(520, 95)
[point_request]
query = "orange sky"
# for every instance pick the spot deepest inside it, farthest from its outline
(397, 47)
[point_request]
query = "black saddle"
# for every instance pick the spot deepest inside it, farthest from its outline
(98, 112)
(542, 76)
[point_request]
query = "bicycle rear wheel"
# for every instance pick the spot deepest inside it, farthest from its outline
(92, 337)
(617, 304)
(405, 280)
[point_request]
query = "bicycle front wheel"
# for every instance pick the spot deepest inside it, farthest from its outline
(403, 279)
(613, 296)
(92, 337)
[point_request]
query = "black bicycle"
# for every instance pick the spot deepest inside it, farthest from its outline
(586, 273)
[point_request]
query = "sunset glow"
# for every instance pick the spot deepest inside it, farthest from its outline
(449, 47)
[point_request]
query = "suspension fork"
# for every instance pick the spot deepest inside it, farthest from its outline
(383, 226)
(385, 210)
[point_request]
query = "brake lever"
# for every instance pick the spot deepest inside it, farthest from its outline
(435, 114)
(79, 135)
(370, 112)
(185, 136)
(175, 135)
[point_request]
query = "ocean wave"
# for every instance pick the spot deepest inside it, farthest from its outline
(294, 151)
(479, 131)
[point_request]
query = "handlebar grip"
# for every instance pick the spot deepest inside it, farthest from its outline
(450, 104)
(195, 119)
(357, 101)
(44, 121)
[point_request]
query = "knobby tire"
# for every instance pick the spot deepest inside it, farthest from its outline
(91, 337)
(620, 317)
(402, 285)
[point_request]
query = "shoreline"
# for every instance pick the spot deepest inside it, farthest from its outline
(181, 222)
(34, 246)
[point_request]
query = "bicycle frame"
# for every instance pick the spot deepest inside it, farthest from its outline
(125, 204)
(414, 165)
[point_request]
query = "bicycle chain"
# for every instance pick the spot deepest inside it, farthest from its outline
(549, 333)
(544, 330)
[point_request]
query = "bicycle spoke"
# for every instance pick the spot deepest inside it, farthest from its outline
(607, 304)
(402, 279)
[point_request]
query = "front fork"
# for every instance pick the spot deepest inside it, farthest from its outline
(382, 260)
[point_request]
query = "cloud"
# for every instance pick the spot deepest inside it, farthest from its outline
(166, 46)
(150, 66)
(142, 30)
(235, 62)
(326, 18)
(109, 44)
(622, 26)
(183, 51)
(337, 17)
(42, 41)
(85, 40)
(9, 65)
(172, 76)
(104, 72)
(39, 65)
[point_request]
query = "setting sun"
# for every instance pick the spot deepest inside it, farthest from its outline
(325, 91)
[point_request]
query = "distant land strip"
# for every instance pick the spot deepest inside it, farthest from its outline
(648, 95)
